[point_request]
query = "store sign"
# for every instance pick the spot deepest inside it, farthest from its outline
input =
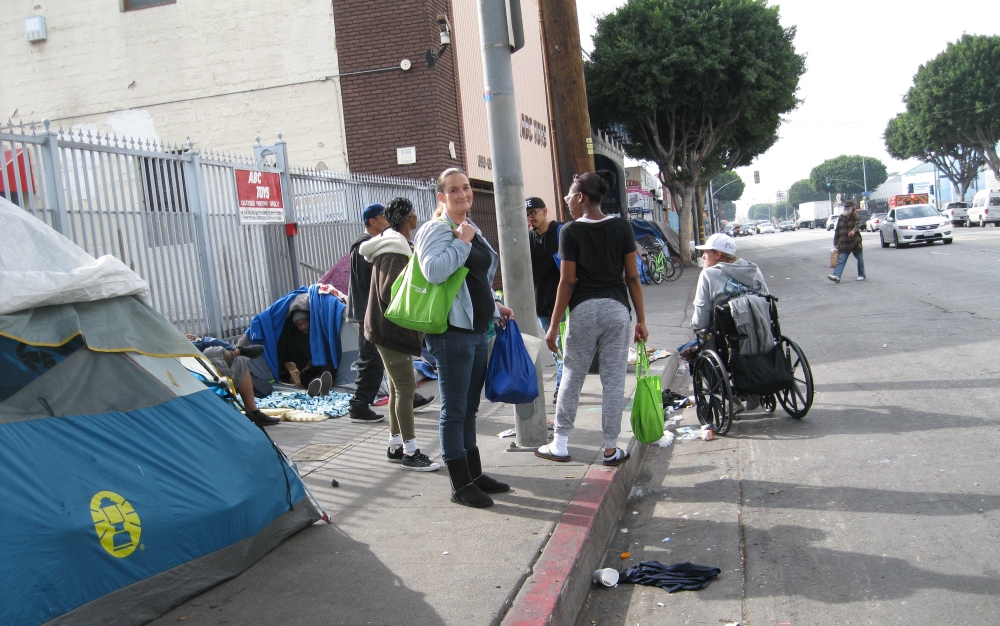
(259, 197)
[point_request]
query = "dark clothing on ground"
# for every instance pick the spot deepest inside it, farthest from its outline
(211, 342)
(480, 289)
(678, 577)
(361, 280)
(544, 271)
(598, 249)
(841, 240)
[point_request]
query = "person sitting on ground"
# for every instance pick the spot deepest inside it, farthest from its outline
(295, 353)
(234, 363)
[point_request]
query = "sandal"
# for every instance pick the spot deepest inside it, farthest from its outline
(619, 457)
(548, 451)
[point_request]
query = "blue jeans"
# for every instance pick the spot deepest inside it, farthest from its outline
(461, 363)
(842, 262)
(545, 321)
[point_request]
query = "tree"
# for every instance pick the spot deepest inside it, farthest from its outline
(906, 138)
(761, 211)
(956, 96)
(803, 191)
(728, 187)
(698, 86)
(846, 175)
(728, 211)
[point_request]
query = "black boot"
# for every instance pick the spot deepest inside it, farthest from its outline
(464, 491)
(481, 480)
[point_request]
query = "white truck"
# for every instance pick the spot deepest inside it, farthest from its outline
(814, 214)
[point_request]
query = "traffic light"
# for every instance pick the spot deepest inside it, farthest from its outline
(756, 177)
(828, 185)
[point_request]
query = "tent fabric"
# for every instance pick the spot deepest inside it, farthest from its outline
(339, 275)
(133, 495)
(54, 270)
(121, 324)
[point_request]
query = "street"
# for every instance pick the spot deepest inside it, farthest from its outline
(880, 506)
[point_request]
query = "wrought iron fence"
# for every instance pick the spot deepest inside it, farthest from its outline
(170, 212)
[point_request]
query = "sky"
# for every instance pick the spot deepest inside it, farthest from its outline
(860, 60)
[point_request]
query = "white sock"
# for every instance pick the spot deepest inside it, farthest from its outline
(409, 447)
(561, 444)
(395, 440)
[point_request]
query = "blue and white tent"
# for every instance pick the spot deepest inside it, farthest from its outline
(128, 486)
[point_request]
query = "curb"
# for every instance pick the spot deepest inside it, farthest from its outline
(560, 579)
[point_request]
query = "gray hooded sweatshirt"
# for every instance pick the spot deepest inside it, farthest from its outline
(721, 282)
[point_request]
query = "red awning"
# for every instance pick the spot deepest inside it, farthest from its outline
(15, 173)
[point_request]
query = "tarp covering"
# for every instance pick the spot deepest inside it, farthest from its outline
(39, 267)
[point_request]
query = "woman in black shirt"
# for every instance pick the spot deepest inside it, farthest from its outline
(598, 275)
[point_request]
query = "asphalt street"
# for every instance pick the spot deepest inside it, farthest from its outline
(881, 505)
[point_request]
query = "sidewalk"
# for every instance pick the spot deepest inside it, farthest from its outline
(399, 551)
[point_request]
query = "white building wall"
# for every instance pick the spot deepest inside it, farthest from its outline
(218, 73)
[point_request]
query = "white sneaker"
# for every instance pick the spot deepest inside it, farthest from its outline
(861, 278)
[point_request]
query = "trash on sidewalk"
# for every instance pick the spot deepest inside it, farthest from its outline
(510, 432)
(623, 531)
(677, 577)
(688, 433)
(666, 441)
(665, 540)
(607, 577)
(626, 555)
(673, 421)
(707, 433)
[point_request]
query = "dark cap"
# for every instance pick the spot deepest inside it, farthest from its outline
(371, 211)
(534, 203)
(300, 314)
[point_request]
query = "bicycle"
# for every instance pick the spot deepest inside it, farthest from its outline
(662, 267)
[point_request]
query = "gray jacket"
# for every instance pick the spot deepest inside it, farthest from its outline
(440, 254)
(723, 282)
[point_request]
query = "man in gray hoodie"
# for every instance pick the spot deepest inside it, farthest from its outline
(725, 277)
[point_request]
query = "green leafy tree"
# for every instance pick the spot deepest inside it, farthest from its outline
(729, 187)
(956, 96)
(698, 86)
(728, 211)
(908, 138)
(846, 175)
(761, 211)
(803, 191)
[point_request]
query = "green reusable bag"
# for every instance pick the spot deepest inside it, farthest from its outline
(421, 305)
(647, 404)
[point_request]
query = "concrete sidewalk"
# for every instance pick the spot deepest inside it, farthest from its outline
(399, 551)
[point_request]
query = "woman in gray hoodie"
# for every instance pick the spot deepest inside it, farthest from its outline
(389, 253)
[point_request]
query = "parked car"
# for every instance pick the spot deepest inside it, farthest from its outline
(766, 228)
(957, 212)
(915, 223)
(985, 208)
(787, 226)
(831, 222)
(873, 224)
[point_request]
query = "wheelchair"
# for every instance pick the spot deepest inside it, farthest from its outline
(721, 375)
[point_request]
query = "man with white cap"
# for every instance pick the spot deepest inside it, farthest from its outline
(725, 277)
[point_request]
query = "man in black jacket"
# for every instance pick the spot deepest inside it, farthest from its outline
(543, 237)
(369, 363)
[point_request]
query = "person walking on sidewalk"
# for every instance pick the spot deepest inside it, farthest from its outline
(388, 253)
(369, 364)
(544, 244)
(443, 245)
(596, 250)
(847, 241)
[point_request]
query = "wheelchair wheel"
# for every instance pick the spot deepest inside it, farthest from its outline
(769, 403)
(798, 397)
(713, 396)
(676, 268)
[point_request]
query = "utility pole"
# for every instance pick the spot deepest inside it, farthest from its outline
(567, 93)
(508, 179)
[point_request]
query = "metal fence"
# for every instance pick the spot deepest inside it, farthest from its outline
(170, 212)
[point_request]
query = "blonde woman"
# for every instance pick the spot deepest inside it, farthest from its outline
(443, 245)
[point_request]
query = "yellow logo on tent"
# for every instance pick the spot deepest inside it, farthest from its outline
(116, 522)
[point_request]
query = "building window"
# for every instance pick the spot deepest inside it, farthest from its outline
(134, 5)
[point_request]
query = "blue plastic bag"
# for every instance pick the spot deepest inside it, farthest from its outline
(511, 375)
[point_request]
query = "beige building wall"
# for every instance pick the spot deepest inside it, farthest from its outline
(217, 73)
(529, 93)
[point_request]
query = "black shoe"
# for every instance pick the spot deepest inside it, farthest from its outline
(420, 401)
(555, 397)
(262, 419)
(325, 382)
(395, 454)
(315, 386)
(464, 491)
(419, 462)
(481, 480)
(252, 352)
(365, 416)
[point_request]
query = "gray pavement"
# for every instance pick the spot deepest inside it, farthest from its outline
(880, 506)
(398, 551)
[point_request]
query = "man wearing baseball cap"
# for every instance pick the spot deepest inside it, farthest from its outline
(725, 277)
(543, 241)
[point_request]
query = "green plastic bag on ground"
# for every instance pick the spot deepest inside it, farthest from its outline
(421, 305)
(647, 404)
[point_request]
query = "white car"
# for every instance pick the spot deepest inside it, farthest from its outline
(957, 212)
(914, 223)
(765, 228)
(831, 222)
(985, 208)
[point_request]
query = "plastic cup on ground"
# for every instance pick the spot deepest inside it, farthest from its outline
(607, 577)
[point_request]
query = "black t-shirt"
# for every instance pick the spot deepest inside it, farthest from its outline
(479, 286)
(599, 250)
(544, 270)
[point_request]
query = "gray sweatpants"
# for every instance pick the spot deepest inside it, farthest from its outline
(595, 324)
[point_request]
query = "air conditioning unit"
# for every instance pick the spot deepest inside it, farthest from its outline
(34, 28)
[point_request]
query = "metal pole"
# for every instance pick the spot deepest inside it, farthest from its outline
(51, 165)
(197, 199)
(515, 255)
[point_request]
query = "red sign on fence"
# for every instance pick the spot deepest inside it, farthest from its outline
(259, 196)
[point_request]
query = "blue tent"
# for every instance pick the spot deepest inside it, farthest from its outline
(128, 487)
